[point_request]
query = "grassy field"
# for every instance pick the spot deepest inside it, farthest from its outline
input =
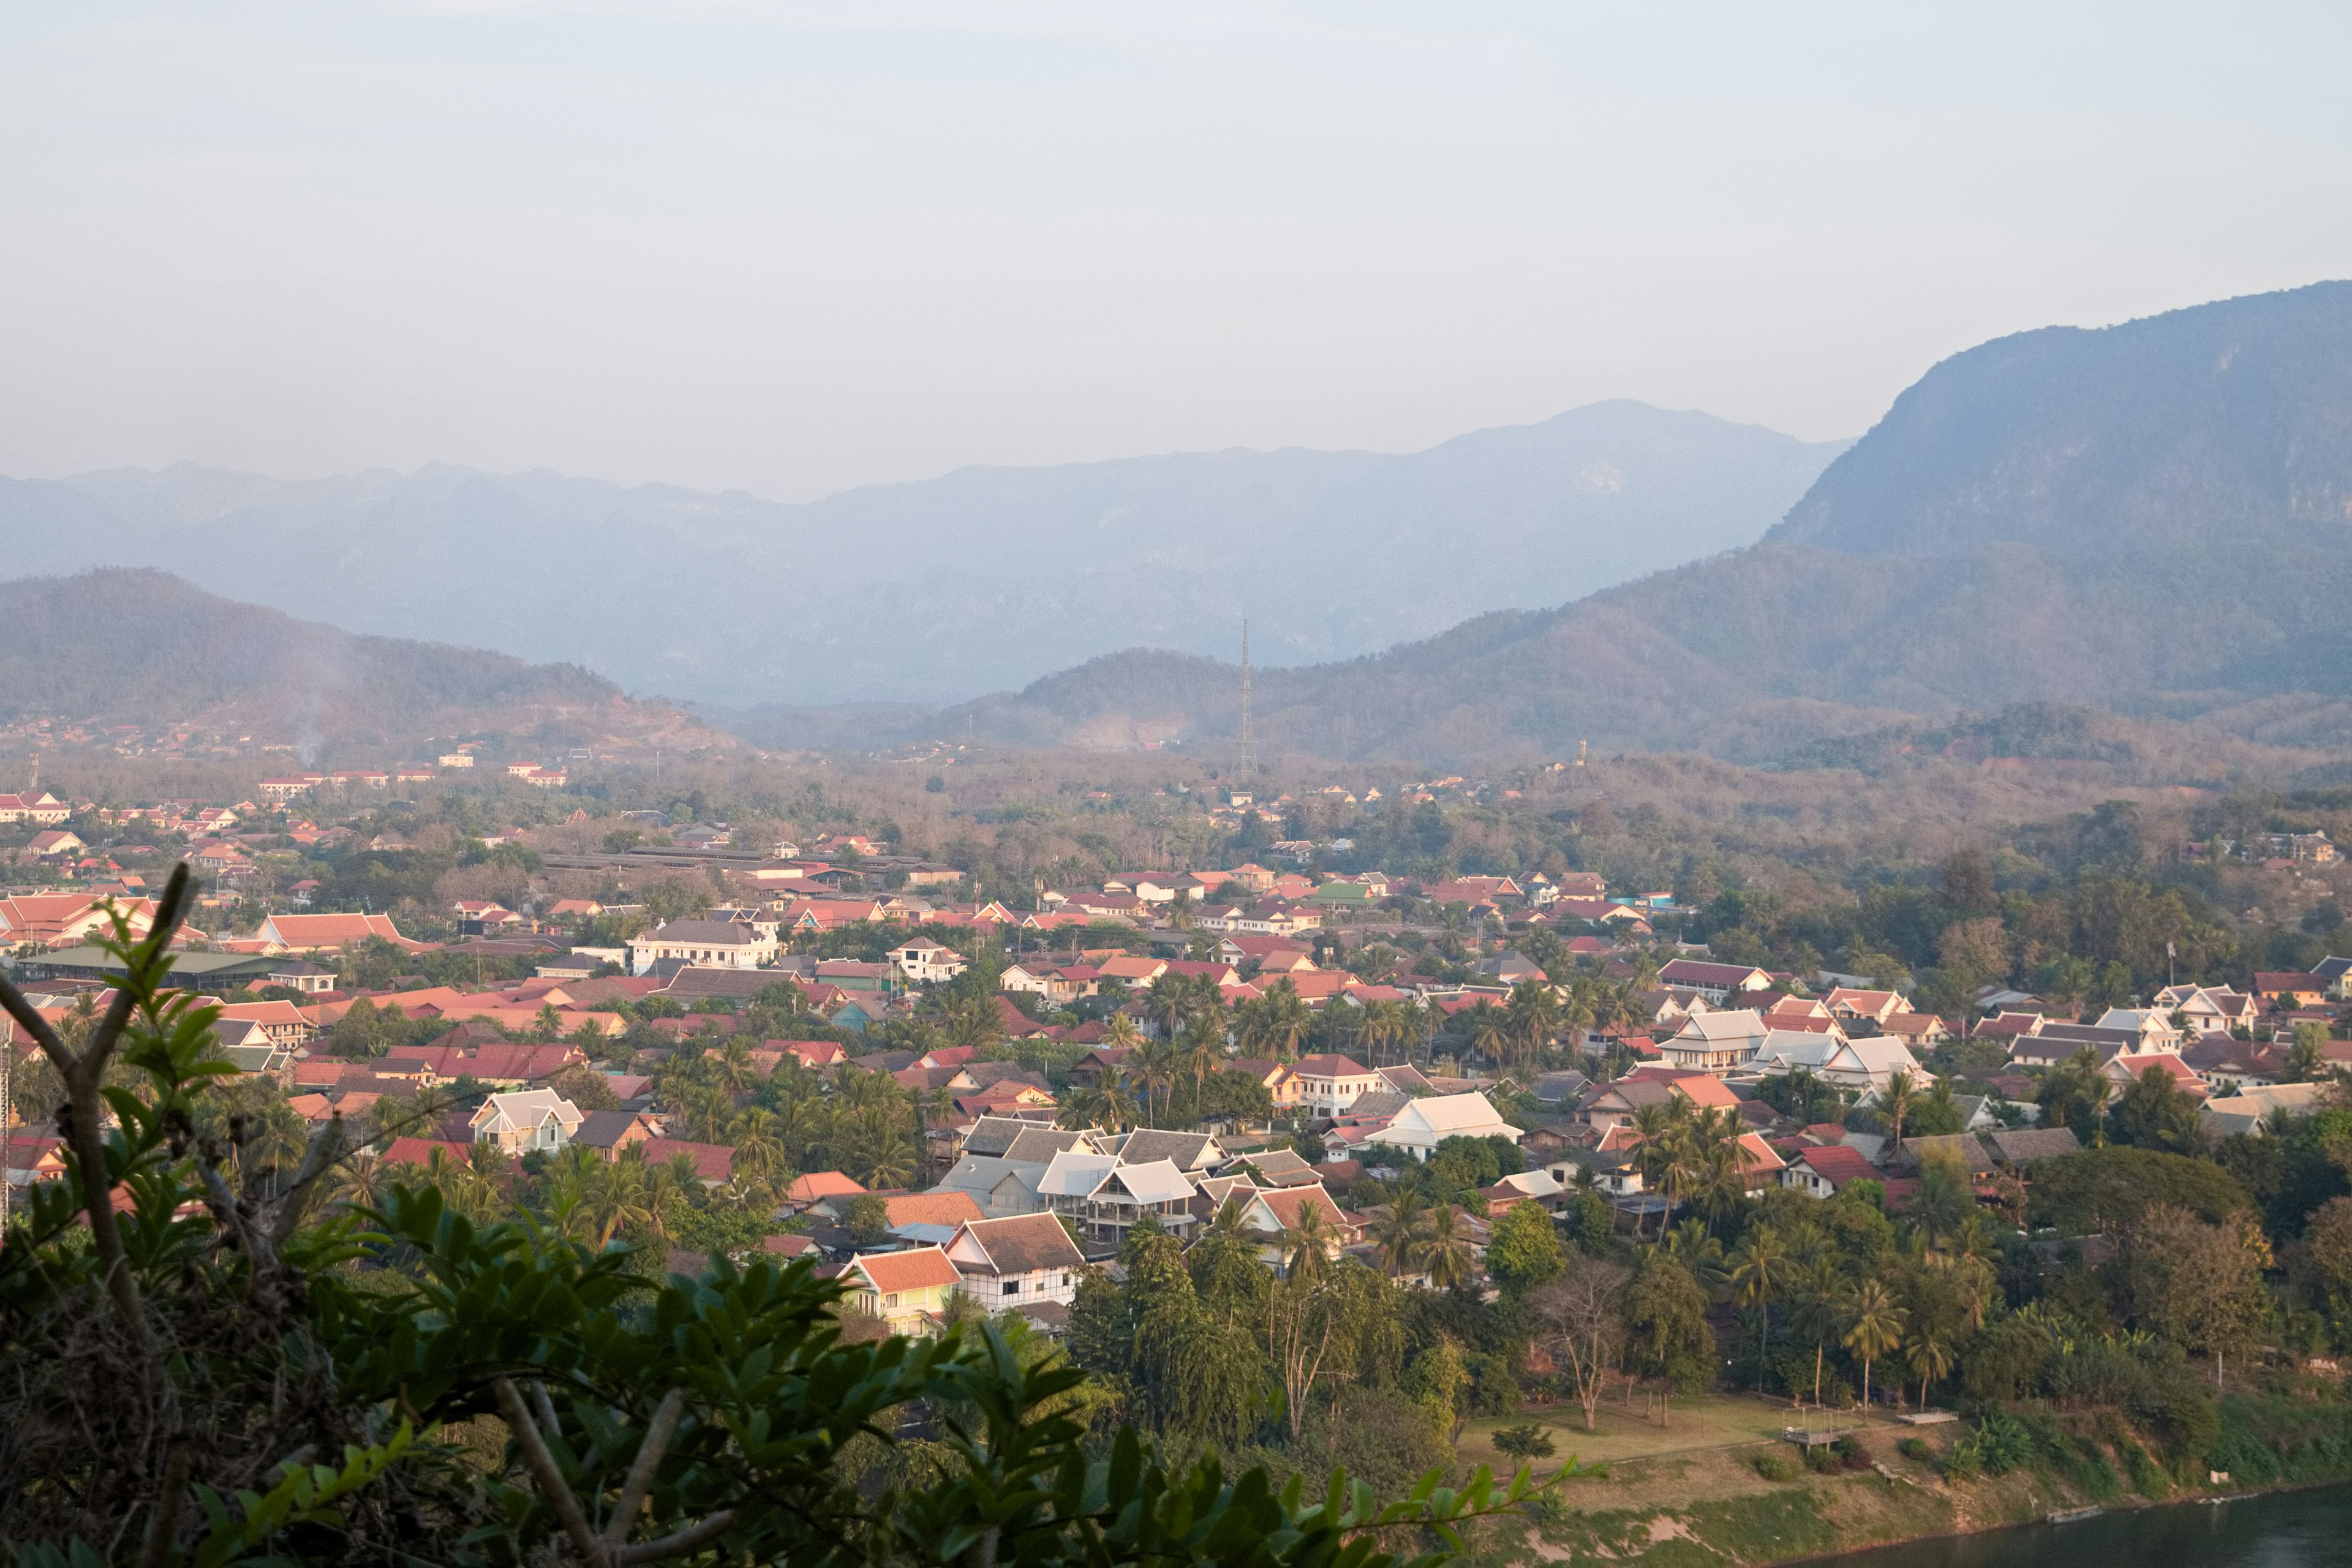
(1701, 1421)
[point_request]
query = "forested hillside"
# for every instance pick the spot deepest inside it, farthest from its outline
(2147, 517)
(144, 648)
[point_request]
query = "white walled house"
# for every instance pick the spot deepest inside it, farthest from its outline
(724, 944)
(527, 1120)
(1425, 1123)
(1016, 1260)
(1329, 1085)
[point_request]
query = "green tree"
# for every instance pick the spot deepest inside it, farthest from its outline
(1760, 1270)
(1874, 1323)
(1524, 1250)
(1665, 1311)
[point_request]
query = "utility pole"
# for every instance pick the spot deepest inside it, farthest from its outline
(1245, 758)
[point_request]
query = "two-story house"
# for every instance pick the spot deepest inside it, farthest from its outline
(1716, 982)
(1016, 1260)
(1104, 1198)
(526, 1119)
(725, 944)
(907, 1290)
(1716, 1042)
(927, 963)
(1329, 1085)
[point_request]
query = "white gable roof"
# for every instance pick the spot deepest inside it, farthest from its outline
(1445, 1116)
(527, 1108)
(1734, 1024)
(1076, 1174)
(1155, 1182)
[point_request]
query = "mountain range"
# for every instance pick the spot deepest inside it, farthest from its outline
(2153, 518)
(937, 592)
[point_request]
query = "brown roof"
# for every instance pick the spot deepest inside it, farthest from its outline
(1289, 1203)
(712, 1162)
(2024, 1145)
(1020, 1243)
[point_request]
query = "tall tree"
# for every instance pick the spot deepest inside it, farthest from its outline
(1874, 1326)
(1581, 1316)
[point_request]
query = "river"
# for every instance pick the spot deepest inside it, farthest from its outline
(2281, 1530)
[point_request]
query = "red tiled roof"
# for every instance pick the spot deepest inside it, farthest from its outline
(951, 1207)
(712, 1162)
(917, 1268)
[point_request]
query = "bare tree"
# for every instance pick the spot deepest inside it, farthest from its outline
(1580, 1315)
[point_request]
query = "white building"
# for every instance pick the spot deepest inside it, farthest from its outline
(1104, 1198)
(1329, 1085)
(527, 1120)
(723, 944)
(1016, 1261)
(927, 963)
(1423, 1125)
(1716, 1042)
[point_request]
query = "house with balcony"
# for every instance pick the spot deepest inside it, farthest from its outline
(1104, 1198)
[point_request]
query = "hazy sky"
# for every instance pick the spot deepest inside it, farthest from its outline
(790, 247)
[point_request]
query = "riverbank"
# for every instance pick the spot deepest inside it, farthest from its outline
(1746, 1496)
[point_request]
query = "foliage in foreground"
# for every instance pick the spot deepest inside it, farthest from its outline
(191, 1372)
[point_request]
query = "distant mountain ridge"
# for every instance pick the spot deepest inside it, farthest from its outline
(934, 592)
(144, 648)
(2153, 518)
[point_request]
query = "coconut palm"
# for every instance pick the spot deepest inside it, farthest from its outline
(1490, 1031)
(1930, 1361)
(1444, 1251)
(1200, 1047)
(1157, 1062)
(760, 1146)
(1107, 1105)
(1232, 1221)
(974, 1023)
(1897, 1101)
(1397, 1235)
(1306, 1252)
(1873, 1327)
(1760, 1268)
(1814, 1289)
(1279, 1021)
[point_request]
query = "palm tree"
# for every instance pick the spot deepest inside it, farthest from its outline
(760, 1145)
(1873, 1327)
(1444, 1252)
(974, 1022)
(615, 1195)
(1309, 1250)
(1157, 1062)
(1898, 1100)
(1761, 1268)
(1490, 1031)
(736, 1071)
(1108, 1106)
(1170, 1001)
(1203, 1041)
(1930, 1359)
(1232, 1221)
(1282, 1019)
(1815, 1285)
(1397, 1235)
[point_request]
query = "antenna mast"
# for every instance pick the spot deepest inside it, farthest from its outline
(1246, 759)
